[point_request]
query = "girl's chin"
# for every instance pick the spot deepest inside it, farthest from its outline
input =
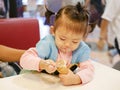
(64, 51)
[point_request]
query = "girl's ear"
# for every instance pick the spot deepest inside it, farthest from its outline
(52, 31)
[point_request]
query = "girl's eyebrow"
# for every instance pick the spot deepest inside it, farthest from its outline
(62, 36)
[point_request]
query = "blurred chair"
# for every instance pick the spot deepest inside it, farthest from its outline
(20, 33)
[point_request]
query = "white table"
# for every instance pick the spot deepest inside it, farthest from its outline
(105, 78)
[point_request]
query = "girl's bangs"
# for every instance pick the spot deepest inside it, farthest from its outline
(74, 26)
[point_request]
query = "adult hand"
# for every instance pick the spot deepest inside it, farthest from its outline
(1, 76)
(101, 43)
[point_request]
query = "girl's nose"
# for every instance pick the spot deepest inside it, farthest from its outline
(67, 44)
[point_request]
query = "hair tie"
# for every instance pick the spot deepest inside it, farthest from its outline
(55, 13)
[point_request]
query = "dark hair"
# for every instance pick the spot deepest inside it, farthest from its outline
(48, 14)
(74, 18)
(96, 10)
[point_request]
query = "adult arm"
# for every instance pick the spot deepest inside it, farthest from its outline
(8, 54)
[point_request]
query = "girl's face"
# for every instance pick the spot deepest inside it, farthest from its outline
(66, 40)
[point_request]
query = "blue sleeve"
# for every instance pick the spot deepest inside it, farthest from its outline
(82, 53)
(85, 54)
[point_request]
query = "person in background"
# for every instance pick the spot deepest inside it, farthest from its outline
(112, 53)
(19, 8)
(96, 9)
(14, 8)
(2, 9)
(9, 55)
(32, 7)
(110, 29)
(64, 45)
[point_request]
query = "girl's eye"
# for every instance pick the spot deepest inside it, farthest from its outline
(63, 39)
(74, 42)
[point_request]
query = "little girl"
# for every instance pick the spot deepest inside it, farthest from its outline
(65, 43)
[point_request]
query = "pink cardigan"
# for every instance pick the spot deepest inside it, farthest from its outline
(30, 61)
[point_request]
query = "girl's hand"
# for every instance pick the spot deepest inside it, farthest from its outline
(69, 79)
(48, 65)
(61, 67)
